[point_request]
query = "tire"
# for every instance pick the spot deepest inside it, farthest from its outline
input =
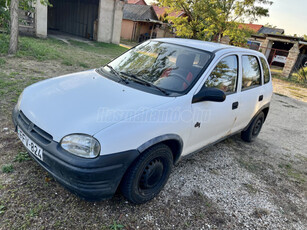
(253, 129)
(147, 175)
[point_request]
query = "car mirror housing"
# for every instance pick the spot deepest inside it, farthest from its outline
(209, 94)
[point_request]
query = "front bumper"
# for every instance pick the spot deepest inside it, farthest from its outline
(91, 179)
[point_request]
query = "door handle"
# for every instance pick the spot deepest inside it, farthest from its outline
(235, 105)
(260, 97)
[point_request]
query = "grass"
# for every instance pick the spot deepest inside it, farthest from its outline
(116, 226)
(250, 188)
(299, 95)
(77, 55)
(99, 47)
(74, 54)
(13, 84)
(292, 80)
(7, 168)
(292, 173)
(2, 209)
(2, 62)
(249, 165)
(21, 157)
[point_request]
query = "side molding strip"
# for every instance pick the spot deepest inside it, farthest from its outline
(159, 139)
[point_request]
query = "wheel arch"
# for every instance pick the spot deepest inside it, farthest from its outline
(173, 141)
(266, 112)
(265, 109)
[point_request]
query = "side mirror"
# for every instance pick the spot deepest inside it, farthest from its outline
(209, 94)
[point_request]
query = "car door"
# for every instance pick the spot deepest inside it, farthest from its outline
(267, 83)
(251, 93)
(214, 120)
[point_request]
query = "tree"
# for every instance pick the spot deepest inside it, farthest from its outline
(206, 19)
(15, 5)
(14, 27)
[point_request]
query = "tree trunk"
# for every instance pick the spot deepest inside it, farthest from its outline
(219, 38)
(14, 27)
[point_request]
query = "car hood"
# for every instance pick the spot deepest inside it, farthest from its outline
(84, 102)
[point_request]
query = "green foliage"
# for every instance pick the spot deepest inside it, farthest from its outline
(116, 226)
(21, 157)
(2, 62)
(7, 168)
(301, 75)
(4, 15)
(210, 19)
(38, 48)
(4, 43)
(2, 209)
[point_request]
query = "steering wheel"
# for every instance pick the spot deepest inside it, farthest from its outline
(179, 76)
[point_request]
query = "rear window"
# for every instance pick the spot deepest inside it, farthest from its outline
(251, 72)
(266, 71)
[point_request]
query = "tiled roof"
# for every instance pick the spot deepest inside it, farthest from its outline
(137, 2)
(250, 26)
(268, 30)
(161, 11)
(139, 12)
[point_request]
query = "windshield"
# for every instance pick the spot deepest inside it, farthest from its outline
(170, 67)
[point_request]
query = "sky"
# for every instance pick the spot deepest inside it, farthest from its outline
(290, 15)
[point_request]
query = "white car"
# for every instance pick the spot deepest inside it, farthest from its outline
(126, 124)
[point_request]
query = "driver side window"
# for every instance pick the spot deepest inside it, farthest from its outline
(225, 75)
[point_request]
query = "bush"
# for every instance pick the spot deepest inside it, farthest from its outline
(301, 75)
(7, 168)
(4, 17)
(4, 43)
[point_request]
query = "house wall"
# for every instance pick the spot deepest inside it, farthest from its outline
(164, 32)
(108, 24)
(41, 20)
(144, 28)
(117, 21)
(109, 20)
(127, 29)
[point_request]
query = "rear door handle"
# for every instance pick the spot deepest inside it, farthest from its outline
(260, 97)
(235, 105)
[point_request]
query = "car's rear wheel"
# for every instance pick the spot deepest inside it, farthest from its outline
(254, 128)
(146, 177)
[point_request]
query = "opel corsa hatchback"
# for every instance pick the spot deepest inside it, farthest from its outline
(127, 123)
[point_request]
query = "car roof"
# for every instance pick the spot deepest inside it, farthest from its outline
(207, 46)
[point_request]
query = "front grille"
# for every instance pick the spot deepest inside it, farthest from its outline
(36, 132)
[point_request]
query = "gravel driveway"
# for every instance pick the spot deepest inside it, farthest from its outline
(254, 186)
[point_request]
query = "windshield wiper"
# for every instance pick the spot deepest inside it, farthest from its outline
(140, 80)
(117, 74)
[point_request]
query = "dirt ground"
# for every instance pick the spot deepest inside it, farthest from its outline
(290, 89)
(232, 185)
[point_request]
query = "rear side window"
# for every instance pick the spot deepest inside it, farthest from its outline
(251, 72)
(266, 71)
(225, 75)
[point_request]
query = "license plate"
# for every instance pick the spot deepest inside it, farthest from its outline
(30, 145)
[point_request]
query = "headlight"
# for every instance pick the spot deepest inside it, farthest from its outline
(19, 101)
(81, 145)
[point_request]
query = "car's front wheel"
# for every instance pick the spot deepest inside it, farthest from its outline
(146, 177)
(254, 128)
